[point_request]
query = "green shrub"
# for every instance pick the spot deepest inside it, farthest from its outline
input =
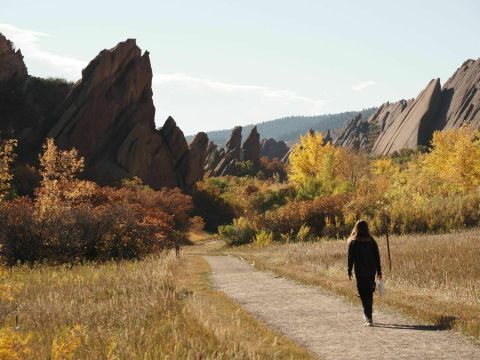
(262, 201)
(244, 168)
(264, 238)
(320, 215)
(287, 238)
(304, 234)
(238, 233)
(272, 169)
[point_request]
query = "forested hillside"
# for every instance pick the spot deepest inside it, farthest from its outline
(291, 127)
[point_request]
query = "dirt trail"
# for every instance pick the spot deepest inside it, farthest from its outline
(329, 326)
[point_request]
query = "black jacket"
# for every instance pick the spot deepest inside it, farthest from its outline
(364, 255)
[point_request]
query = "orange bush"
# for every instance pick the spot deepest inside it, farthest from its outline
(113, 227)
(73, 219)
(323, 215)
(272, 168)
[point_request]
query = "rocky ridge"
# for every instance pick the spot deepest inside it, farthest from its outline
(407, 124)
(355, 135)
(109, 117)
(272, 148)
(12, 66)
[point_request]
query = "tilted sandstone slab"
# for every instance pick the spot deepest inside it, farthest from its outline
(461, 97)
(272, 148)
(414, 125)
(231, 154)
(360, 134)
(355, 135)
(387, 113)
(195, 161)
(251, 148)
(12, 67)
(109, 117)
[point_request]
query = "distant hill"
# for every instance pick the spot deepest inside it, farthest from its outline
(291, 127)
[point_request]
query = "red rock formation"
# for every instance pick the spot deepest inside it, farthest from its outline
(461, 97)
(109, 117)
(115, 89)
(251, 148)
(387, 113)
(415, 124)
(12, 67)
(327, 137)
(211, 150)
(272, 148)
(27, 104)
(212, 158)
(355, 135)
(197, 153)
(231, 154)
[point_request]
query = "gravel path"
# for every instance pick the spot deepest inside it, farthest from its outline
(329, 326)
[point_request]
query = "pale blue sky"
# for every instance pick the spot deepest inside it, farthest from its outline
(222, 63)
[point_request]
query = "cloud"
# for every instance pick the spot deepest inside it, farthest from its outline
(363, 85)
(263, 91)
(196, 103)
(28, 41)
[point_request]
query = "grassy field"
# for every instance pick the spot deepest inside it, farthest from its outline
(157, 308)
(434, 278)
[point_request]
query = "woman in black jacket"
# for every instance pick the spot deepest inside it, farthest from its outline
(364, 257)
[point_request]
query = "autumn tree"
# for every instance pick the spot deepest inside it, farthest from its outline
(453, 165)
(316, 165)
(59, 170)
(7, 155)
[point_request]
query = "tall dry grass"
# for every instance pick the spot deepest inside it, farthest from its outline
(435, 278)
(156, 308)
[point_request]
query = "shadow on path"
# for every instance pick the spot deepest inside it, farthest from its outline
(410, 327)
(443, 323)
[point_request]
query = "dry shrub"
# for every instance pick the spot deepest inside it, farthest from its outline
(196, 224)
(239, 233)
(66, 343)
(7, 155)
(274, 168)
(264, 238)
(435, 214)
(75, 219)
(109, 226)
(324, 216)
(14, 345)
(250, 189)
(304, 234)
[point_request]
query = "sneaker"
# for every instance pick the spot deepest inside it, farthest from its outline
(369, 322)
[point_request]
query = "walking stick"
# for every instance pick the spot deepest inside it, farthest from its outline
(388, 244)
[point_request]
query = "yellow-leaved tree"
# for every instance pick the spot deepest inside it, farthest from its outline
(13, 345)
(60, 186)
(369, 200)
(7, 155)
(315, 166)
(453, 165)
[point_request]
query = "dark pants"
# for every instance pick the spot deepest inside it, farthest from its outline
(366, 287)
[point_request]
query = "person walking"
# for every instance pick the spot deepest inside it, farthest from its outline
(364, 258)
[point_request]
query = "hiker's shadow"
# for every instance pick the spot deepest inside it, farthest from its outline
(443, 323)
(409, 327)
